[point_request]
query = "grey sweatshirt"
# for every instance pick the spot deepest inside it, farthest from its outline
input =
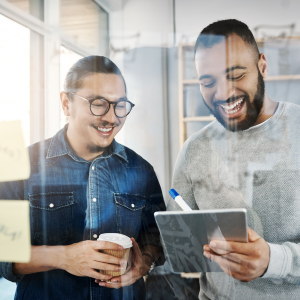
(257, 169)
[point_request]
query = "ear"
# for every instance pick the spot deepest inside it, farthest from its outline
(65, 103)
(263, 65)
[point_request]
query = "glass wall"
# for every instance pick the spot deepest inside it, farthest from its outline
(35, 57)
(192, 165)
(15, 74)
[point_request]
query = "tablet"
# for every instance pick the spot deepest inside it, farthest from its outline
(184, 233)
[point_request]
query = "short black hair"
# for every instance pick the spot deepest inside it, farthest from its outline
(216, 32)
(87, 66)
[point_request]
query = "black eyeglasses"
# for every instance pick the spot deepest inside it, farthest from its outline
(100, 107)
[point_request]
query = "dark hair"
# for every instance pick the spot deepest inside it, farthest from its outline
(87, 66)
(217, 31)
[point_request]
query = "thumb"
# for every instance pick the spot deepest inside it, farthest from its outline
(252, 235)
(135, 246)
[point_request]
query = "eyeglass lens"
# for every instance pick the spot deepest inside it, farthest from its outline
(99, 107)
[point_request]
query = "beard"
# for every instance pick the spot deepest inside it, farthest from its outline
(253, 109)
(96, 148)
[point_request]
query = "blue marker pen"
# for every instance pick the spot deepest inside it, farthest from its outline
(179, 200)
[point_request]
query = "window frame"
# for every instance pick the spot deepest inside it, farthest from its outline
(46, 38)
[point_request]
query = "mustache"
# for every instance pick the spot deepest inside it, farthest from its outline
(104, 124)
(229, 100)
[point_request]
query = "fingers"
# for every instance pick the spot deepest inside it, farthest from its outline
(239, 266)
(132, 274)
(226, 265)
(135, 247)
(252, 235)
(136, 253)
(109, 259)
(121, 281)
(104, 245)
(224, 247)
(220, 247)
(108, 267)
(99, 276)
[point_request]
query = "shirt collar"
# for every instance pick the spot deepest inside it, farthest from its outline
(60, 146)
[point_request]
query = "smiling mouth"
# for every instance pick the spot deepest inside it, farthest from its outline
(233, 107)
(105, 129)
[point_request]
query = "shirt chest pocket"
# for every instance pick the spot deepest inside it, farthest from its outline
(51, 218)
(129, 211)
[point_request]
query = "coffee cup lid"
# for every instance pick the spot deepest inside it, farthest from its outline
(117, 238)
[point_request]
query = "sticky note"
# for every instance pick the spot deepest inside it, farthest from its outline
(15, 243)
(14, 157)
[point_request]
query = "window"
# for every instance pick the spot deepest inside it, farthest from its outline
(15, 74)
(67, 59)
(86, 23)
(33, 7)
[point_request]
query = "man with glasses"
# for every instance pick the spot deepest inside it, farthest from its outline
(83, 183)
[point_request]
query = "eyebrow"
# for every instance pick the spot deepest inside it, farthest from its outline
(235, 68)
(205, 76)
(93, 97)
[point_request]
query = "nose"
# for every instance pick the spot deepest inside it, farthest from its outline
(110, 116)
(224, 90)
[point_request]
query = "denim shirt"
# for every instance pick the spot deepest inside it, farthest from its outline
(72, 200)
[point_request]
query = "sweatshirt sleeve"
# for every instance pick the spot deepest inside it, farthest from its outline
(284, 262)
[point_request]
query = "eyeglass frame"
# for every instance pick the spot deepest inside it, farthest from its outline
(109, 103)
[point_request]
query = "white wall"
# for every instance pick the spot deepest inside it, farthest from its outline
(145, 26)
(154, 18)
(193, 15)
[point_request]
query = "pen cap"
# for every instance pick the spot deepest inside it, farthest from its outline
(173, 193)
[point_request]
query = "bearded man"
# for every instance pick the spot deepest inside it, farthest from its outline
(247, 158)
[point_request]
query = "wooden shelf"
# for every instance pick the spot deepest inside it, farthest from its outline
(187, 45)
(283, 77)
(199, 119)
(190, 275)
(190, 81)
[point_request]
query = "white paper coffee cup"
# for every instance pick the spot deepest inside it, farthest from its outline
(120, 239)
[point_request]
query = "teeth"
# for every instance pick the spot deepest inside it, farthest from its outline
(228, 108)
(105, 129)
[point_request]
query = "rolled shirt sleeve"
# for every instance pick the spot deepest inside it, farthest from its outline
(6, 272)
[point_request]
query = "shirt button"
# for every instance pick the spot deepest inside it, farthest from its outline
(95, 236)
(93, 168)
(51, 205)
(94, 199)
(132, 205)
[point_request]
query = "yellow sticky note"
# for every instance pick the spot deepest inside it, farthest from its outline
(15, 243)
(14, 157)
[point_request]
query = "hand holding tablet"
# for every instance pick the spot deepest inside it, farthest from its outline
(184, 234)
